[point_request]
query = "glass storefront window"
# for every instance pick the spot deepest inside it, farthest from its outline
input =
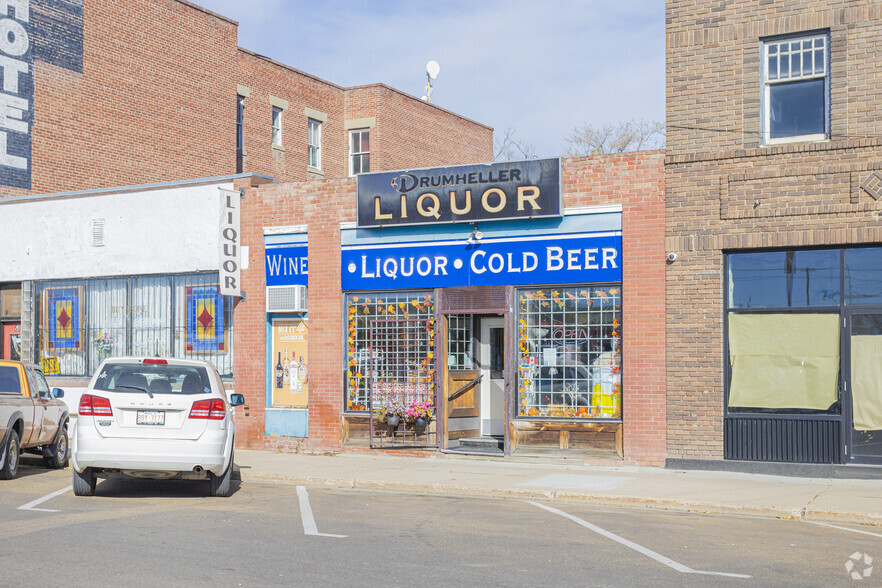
(10, 301)
(82, 322)
(61, 325)
(570, 352)
(863, 275)
(364, 310)
(784, 279)
(783, 361)
(460, 342)
(108, 316)
(150, 314)
(203, 326)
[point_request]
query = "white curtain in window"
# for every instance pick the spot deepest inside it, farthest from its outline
(150, 310)
(107, 319)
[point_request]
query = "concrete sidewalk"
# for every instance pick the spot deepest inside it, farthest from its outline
(853, 501)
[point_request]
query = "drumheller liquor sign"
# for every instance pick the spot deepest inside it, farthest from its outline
(463, 193)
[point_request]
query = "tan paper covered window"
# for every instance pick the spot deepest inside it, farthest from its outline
(784, 360)
(866, 381)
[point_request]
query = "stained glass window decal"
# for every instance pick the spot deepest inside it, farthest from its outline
(65, 318)
(205, 319)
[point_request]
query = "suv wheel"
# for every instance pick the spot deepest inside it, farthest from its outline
(84, 484)
(222, 485)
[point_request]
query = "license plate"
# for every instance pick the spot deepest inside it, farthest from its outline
(151, 417)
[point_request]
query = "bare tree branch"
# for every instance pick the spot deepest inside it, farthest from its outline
(510, 147)
(631, 135)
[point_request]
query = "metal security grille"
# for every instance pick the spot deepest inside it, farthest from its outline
(805, 440)
(400, 374)
(361, 310)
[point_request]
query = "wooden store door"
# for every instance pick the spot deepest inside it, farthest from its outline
(475, 383)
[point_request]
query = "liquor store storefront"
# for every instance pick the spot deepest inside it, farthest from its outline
(481, 312)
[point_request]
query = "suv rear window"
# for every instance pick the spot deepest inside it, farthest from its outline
(155, 378)
(9, 381)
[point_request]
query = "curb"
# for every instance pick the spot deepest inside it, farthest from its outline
(698, 507)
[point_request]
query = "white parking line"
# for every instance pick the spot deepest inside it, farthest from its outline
(638, 548)
(32, 504)
(844, 528)
(309, 527)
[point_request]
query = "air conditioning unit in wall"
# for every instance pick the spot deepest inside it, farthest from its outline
(286, 299)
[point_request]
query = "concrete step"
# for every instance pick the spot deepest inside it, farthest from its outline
(478, 445)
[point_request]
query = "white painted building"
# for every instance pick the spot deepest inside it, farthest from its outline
(133, 270)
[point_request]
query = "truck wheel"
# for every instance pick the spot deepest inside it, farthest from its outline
(222, 485)
(84, 484)
(57, 455)
(12, 450)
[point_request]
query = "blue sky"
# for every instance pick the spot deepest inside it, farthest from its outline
(540, 67)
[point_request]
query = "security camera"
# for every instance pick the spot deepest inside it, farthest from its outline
(672, 257)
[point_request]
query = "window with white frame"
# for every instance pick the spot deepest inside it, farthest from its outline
(359, 151)
(796, 89)
(277, 126)
(314, 144)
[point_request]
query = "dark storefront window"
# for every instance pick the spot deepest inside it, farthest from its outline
(381, 313)
(785, 310)
(570, 352)
(784, 279)
(82, 322)
(863, 275)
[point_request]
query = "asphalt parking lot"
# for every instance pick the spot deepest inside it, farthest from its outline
(137, 532)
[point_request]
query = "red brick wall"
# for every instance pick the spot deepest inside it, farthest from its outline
(322, 205)
(265, 78)
(411, 133)
(154, 101)
(637, 182)
(634, 180)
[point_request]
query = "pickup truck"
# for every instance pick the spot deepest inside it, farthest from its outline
(31, 418)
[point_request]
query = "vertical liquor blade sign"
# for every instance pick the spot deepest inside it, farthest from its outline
(229, 243)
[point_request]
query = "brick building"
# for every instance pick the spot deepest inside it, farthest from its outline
(566, 361)
(121, 123)
(116, 93)
(773, 202)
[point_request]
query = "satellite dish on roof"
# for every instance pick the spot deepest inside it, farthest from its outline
(432, 68)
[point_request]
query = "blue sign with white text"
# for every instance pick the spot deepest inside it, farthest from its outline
(287, 265)
(547, 259)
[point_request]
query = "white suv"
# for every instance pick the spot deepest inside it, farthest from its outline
(154, 418)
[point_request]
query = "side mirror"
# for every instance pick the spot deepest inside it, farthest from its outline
(57, 392)
(237, 400)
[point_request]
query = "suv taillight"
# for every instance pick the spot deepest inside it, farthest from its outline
(94, 406)
(213, 409)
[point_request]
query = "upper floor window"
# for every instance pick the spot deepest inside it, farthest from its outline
(314, 144)
(240, 115)
(359, 151)
(277, 126)
(796, 89)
